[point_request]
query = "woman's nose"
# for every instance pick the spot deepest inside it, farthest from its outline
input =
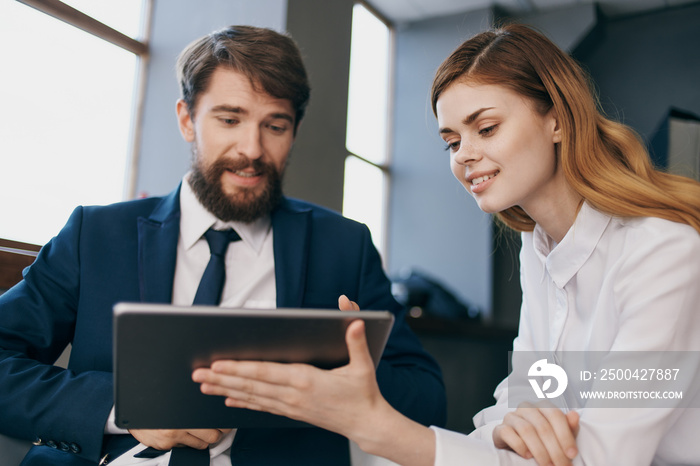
(466, 154)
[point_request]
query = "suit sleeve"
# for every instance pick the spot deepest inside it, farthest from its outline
(38, 400)
(408, 377)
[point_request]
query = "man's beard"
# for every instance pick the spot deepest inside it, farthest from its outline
(243, 206)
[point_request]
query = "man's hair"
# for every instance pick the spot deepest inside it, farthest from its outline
(272, 61)
(604, 161)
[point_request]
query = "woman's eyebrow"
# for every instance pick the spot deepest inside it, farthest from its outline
(468, 120)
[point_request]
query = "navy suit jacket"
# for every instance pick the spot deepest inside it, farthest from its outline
(126, 252)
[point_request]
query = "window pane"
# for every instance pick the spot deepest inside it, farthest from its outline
(65, 125)
(122, 15)
(369, 86)
(363, 196)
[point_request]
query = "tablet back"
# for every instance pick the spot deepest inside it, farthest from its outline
(156, 348)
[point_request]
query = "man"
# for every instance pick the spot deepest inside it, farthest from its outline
(244, 92)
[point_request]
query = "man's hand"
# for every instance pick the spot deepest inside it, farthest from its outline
(541, 432)
(167, 439)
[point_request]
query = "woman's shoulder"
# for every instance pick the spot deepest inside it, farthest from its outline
(654, 229)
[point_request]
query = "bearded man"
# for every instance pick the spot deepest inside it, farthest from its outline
(244, 93)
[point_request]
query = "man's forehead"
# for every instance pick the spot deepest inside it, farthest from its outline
(231, 90)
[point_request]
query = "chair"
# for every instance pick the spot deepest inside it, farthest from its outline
(14, 257)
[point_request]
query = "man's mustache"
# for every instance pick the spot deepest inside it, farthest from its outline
(234, 165)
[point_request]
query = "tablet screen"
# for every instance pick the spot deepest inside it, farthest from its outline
(156, 348)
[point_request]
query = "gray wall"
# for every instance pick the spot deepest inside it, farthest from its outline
(434, 225)
(164, 156)
(317, 163)
(643, 65)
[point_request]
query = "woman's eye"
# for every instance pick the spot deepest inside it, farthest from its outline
(452, 146)
(487, 131)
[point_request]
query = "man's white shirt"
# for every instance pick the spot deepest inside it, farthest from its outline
(250, 283)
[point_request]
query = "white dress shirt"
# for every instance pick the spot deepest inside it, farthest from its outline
(612, 284)
(250, 283)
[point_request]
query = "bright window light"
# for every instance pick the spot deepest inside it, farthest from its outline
(67, 109)
(368, 101)
(363, 197)
(369, 86)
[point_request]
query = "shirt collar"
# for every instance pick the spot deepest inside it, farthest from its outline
(196, 220)
(564, 260)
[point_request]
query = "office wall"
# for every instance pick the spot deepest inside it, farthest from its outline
(434, 225)
(642, 65)
(164, 156)
(317, 162)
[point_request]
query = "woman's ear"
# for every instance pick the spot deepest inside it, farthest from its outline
(184, 121)
(556, 127)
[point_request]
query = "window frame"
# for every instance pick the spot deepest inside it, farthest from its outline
(139, 47)
(385, 166)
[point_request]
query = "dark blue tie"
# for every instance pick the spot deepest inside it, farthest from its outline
(212, 283)
(208, 293)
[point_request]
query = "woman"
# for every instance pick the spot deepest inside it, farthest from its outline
(609, 263)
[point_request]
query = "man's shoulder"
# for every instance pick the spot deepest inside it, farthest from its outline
(318, 213)
(142, 207)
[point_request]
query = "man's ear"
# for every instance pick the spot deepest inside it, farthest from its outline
(296, 130)
(184, 121)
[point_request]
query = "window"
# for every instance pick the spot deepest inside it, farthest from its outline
(68, 117)
(366, 167)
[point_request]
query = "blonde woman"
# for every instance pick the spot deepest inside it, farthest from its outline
(610, 262)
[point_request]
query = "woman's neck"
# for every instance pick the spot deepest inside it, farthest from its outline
(556, 212)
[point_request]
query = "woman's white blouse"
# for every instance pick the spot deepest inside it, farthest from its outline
(612, 284)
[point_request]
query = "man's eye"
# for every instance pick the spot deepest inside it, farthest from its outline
(278, 128)
(229, 121)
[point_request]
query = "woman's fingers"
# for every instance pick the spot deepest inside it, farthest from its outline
(356, 340)
(573, 418)
(526, 430)
(545, 433)
(553, 428)
(344, 304)
(505, 437)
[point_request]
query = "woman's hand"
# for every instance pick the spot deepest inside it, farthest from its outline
(344, 304)
(341, 399)
(345, 400)
(542, 432)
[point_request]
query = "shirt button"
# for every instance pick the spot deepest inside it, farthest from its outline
(74, 447)
(38, 442)
(63, 446)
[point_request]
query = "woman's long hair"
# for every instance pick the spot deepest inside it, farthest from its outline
(605, 162)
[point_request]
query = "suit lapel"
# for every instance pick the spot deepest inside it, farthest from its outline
(290, 227)
(158, 235)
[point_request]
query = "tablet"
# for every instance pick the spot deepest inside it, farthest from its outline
(157, 346)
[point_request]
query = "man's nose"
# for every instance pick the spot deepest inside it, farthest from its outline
(250, 143)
